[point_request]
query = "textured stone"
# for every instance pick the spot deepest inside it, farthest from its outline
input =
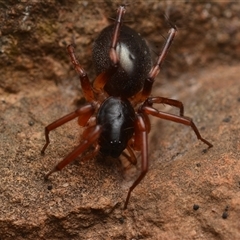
(85, 200)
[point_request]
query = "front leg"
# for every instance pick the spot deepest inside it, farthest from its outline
(85, 83)
(113, 53)
(167, 101)
(91, 138)
(174, 118)
(102, 78)
(140, 142)
(147, 88)
(84, 113)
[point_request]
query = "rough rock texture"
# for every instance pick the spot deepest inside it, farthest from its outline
(188, 193)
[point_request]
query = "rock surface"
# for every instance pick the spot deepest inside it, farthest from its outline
(188, 193)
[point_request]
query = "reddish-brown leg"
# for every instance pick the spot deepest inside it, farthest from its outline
(92, 154)
(147, 88)
(167, 101)
(102, 78)
(93, 135)
(132, 158)
(113, 53)
(85, 83)
(142, 134)
(85, 112)
(179, 119)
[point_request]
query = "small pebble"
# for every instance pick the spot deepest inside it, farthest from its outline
(31, 123)
(224, 215)
(226, 208)
(121, 220)
(227, 119)
(195, 207)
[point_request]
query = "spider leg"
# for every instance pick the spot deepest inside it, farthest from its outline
(85, 83)
(167, 101)
(92, 137)
(102, 78)
(84, 113)
(147, 88)
(141, 137)
(132, 158)
(92, 154)
(179, 119)
(118, 22)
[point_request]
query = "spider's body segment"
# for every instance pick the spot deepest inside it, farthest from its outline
(134, 61)
(119, 102)
(116, 116)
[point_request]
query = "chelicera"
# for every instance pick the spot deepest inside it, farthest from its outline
(118, 102)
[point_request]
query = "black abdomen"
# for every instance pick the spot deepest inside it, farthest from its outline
(135, 61)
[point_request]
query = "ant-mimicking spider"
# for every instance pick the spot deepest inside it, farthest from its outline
(118, 101)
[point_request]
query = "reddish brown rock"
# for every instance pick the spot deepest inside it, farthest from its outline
(85, 200)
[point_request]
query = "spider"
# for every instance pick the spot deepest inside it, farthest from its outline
(115, 115)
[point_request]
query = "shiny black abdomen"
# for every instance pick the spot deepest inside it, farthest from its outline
(116, 116)
(135, 61)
